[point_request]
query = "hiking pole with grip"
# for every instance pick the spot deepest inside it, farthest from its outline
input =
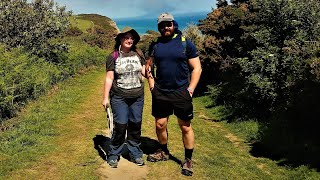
(110, 121)
(110, 126)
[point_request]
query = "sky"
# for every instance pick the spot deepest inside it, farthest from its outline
(117, 9)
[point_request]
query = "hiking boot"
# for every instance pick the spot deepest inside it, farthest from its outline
(159, 155)
(187, 167)
(113, 163)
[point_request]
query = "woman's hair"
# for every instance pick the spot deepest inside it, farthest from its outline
(118, 43)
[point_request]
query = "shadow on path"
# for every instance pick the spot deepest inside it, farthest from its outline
(148, 146)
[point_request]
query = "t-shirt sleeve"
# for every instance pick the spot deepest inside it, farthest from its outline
(191, 50)
(150, 49)
(110, 63)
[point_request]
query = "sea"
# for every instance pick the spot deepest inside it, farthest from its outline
(142, 25)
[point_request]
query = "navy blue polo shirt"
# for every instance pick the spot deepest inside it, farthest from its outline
(171, 60)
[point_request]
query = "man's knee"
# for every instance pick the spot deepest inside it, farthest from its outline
(185, 126)
(186, 129)
(161, 124)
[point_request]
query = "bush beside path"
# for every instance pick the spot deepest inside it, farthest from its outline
(58, 134)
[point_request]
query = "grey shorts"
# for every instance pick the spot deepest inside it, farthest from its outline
(178, 103)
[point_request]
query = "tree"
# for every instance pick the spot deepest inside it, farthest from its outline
(265, 58)
(32, 25)
(258, 51)
(222, 3)
(227, 31)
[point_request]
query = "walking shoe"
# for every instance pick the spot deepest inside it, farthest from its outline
(139, 161)
(159, 155)
(187, 167)
(113, 163)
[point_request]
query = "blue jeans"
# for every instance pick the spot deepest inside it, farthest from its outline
(127, 117)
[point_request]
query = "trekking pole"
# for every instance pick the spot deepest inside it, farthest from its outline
(110, 121)
(110, 126)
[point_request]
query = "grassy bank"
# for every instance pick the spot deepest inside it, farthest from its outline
(52, 138)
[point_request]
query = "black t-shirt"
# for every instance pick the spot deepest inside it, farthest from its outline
(128, 80)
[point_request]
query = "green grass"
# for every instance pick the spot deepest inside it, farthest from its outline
(37, 128)
(221, 151)
(100, 20)
(82, 24)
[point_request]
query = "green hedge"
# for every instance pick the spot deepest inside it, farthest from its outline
(24, 77)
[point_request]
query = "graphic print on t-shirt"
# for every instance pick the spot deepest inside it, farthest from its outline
(128, 70)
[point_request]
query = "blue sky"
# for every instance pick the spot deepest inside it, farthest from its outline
(116, 9)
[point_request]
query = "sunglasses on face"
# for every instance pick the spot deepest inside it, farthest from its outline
(165, 24)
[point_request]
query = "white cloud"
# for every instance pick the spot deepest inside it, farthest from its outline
(130, 8)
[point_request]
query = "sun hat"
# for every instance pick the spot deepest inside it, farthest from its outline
(126, 30)
(165, 17)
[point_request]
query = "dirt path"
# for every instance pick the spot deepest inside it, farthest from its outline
(125, 170)
(75, 156)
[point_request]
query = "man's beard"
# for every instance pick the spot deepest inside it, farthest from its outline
(167, 33)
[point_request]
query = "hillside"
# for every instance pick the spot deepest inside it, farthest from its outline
(94, 29)
(99, 20)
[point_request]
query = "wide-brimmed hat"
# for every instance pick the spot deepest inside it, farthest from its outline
(126, 30)
(165, 17)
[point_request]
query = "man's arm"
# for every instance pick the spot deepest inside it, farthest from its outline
(195, 65)
(148, 74)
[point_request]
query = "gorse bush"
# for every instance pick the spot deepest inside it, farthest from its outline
(34, 56)
(80, 56)
(74, 31)
(193, 33)
(262, 60)
(99, 37)
(23, 77)
(257, 51)
(32, 25)
(282, 58)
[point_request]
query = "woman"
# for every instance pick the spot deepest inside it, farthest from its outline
(124, 81)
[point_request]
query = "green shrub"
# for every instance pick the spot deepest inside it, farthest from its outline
(23, 77)
(32, 25)
(74, 31)
(193, 33)
(81, 56)
(257, 52)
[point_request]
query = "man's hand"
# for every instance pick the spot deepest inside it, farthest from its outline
(190, 90)
(148, 67)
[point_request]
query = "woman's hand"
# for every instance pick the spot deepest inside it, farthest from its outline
(105, 103)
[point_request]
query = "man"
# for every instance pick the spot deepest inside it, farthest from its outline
(172, 87)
